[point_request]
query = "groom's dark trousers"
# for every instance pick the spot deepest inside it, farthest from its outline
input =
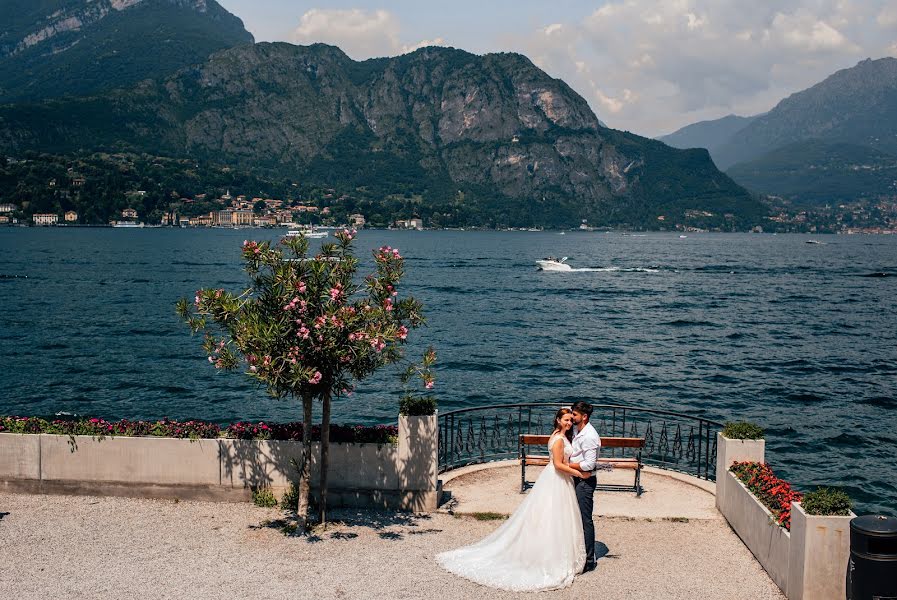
(585, 497)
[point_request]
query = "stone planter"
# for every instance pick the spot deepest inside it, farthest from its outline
(730, 451)
(401, 475)
(820, 550)
(769, 542)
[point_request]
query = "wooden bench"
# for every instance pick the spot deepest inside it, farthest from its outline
(541, 460)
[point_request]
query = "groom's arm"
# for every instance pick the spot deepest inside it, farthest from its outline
(589, 455)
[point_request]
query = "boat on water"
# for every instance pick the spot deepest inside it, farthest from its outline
(308, 232)
(553, 264)
(127, 224)
(815, 242)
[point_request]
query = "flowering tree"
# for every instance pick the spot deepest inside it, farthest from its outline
(306, 329)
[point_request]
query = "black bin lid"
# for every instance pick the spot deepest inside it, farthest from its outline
(874, 525)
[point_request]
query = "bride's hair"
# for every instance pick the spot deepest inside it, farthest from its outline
(557, 421)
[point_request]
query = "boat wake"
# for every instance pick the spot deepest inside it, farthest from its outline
(615, 270)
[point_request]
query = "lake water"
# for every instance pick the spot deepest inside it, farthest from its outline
(794, 336)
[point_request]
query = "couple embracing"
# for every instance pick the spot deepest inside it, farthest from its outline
(550, 538)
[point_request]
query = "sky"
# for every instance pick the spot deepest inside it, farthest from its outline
(646, 66)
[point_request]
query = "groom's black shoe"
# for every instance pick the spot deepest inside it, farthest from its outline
(590, 566)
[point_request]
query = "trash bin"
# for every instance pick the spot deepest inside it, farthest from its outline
(872, 570)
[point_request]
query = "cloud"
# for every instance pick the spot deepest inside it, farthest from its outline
(652, 66)
(361, 34)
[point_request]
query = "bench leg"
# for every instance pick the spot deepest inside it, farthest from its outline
(522, 474)
(638, 481)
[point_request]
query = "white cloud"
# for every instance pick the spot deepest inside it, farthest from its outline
(652, 66)
(361, 34)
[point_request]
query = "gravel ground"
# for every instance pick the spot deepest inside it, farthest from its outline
(91, 547)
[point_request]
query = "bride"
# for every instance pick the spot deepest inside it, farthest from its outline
(540, 547)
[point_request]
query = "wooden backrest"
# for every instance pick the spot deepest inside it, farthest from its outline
(606, 442)
(622, 442)
(533, 440)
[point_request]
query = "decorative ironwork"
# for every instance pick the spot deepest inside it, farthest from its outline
(673, 441)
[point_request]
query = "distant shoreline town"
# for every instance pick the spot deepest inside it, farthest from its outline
(241, 211)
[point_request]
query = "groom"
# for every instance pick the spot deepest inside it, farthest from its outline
(586, 443)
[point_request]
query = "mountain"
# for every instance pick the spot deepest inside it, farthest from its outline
(51, 48)
(817, 172)
(857, 106)
(706, 134)
(491, 137)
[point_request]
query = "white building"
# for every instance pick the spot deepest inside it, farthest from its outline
(45, 219)
(71, 216)
(7, 208)
(129, 213)
(357, 220)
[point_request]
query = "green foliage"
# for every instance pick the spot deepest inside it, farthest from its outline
(826, 501)
(417, 406)
(263, 497)
(304, 327)
(290, 497)
(413, 404)
(151, 39)
(742, 430)
(815, 172)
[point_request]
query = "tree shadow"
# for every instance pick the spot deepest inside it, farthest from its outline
(3, 514)
(394, 477)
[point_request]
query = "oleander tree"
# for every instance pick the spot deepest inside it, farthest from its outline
(307, 328)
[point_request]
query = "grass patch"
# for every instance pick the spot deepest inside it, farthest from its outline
(488, 516)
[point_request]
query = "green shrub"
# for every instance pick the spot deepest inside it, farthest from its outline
(742, 430)
(417, 406)
(827, 502)
(290, 498)
(263, 497)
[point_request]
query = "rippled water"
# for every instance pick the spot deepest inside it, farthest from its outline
(795, 336)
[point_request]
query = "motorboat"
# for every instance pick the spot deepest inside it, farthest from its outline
(553, 264)
(308, 232)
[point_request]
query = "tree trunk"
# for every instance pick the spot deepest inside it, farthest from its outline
(305, 466)
(325, 455)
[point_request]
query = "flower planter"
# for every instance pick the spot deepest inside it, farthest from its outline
(401, 475)
(820, 550)
(730, 451)
(756, 526)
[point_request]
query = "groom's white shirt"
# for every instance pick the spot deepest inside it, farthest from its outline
(586, 443)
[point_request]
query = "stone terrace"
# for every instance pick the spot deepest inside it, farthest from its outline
(670, 544)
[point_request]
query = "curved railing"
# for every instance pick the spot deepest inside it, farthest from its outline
(673, 440)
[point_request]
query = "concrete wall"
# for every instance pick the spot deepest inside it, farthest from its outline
(382, 475)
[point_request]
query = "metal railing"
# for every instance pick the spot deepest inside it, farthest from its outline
(673, 440)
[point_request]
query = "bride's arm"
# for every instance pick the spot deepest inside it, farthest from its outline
(557, 457)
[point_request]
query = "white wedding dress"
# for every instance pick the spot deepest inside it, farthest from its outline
(540, 547)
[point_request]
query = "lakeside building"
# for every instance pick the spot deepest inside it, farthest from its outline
(4, 219)
(357, 220)
(8, 208)
(412, 223)
(129, 213)
(45, 219)
(71, 216)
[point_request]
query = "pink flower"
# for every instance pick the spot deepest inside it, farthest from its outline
(196, 300)
(403, 332)
(303, 332)
(429, 384)
(253, 368)
(316, 378)
(387, 304)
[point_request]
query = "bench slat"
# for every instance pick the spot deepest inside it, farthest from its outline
(606, 442)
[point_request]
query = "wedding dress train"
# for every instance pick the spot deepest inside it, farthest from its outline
(540, 547)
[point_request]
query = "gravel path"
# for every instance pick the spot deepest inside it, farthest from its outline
(92, 547)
